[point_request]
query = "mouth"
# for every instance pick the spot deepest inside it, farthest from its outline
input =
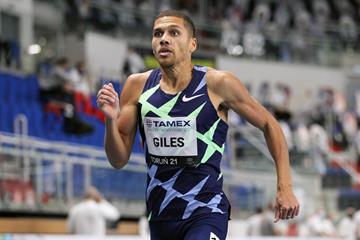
(163, 52)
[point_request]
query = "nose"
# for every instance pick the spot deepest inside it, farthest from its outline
(164, 42)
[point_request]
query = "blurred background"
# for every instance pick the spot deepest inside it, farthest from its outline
(299, 58)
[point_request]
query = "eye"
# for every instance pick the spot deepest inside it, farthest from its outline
(174, 33)
(157, 34)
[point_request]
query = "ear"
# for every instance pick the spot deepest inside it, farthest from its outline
(193, 46)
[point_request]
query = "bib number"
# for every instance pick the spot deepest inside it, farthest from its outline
(171, 141)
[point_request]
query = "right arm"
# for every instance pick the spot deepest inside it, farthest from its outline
(120, 118)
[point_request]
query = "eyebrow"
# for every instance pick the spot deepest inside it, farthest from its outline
(161, 28)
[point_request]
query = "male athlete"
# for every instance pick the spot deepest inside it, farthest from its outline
(181, 110)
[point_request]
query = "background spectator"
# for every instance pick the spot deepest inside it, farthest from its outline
(90, 216)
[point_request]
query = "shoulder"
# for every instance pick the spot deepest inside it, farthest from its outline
(138, 79)
(218, 80)
(134, 85)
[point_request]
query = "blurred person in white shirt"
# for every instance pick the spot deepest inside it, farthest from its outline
(319, 146)
(254, 223)
(229, 35)
(80, 79)
(302, 138)
(134, 62)
(357, 224)
(320, 224)
(144, 230)
(329, 229)
(314, 223)
(89, 216)
(346, 227)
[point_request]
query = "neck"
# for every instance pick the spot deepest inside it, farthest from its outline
(175, 78)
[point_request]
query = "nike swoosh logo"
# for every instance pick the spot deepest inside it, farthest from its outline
(186, 99)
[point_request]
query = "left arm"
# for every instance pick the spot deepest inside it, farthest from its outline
(235, 96)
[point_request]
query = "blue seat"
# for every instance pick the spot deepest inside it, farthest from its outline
(5, 83)
(78, 180)
(4, 112)
(35, 116)
(15, 89)
(2, 86)
(32, 86)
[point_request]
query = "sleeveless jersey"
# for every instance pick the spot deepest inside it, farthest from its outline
(184, 141)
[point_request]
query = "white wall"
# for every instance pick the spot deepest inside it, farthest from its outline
(105, 56)
(74, 48)
(24, 10)
(17, 6)
(300, 78)
(46, 14)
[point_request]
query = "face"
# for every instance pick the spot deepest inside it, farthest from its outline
(172, 42)
(81, 67)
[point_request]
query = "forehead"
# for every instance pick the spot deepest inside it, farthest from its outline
(167, 21)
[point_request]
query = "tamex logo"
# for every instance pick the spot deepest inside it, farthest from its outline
(175, 123)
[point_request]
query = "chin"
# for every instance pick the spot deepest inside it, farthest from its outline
(165, 63)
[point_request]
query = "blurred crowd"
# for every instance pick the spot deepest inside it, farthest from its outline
(284, 30)
(66, 90)
(289, 30)
(319, 224)
(325, 123)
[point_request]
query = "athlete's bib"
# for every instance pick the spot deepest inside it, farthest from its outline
(171, 141)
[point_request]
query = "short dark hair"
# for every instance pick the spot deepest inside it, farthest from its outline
(174, 13)
(62, 61)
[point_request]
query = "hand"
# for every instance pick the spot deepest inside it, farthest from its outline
(108, 101)
(286, 206)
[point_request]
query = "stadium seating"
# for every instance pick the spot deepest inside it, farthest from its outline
(20, 95)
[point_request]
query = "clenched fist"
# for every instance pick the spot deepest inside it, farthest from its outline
(286, 206)
(108, 101)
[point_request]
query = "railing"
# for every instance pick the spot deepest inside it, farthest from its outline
(261, 160)
(29, 155)
(256, 141)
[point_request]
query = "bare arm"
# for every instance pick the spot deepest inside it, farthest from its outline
(234, 95)
(120, 118)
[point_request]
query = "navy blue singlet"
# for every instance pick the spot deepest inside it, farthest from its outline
(184, 142)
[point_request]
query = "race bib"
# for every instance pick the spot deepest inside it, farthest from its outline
(171, 141)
